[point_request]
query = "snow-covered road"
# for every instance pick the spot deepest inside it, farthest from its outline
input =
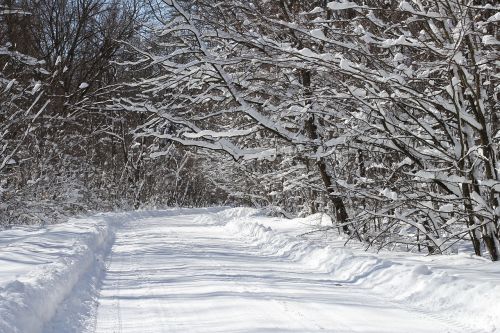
(230, 270)
(185, 274)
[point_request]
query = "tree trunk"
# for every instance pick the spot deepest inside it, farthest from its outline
(312, 131)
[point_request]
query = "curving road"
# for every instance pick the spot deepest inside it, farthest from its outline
(185, 274)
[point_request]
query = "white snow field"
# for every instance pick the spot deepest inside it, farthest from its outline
(230, 270)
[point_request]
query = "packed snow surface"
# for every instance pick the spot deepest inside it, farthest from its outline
(230, 270)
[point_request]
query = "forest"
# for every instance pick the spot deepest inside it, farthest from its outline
(382, 114)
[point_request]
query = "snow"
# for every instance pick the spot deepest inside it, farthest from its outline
(404, 5)
(83, 85)
(36, 87)
(401, 40)
(342, 5)
(318, 33)
(494, 18)
(386, 192)
(41, 266)
(222, 134)
(448, 208)
(306, 52)
(316, 10)
(231, 270)
(9, 85)
(490, 40)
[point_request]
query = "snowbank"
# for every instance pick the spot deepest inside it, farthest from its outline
(464, 290)
(60, 256)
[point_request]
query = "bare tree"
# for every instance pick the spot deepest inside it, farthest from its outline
(388, 109)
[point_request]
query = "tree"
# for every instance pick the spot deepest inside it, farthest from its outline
(389, 109)
(57, 58)
(20, 108)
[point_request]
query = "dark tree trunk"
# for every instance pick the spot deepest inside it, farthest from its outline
(312, 131)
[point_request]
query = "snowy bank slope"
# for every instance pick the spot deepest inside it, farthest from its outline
(462, 289)
(41, 266)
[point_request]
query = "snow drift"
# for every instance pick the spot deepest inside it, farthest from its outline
(462, 289)
(29, 301)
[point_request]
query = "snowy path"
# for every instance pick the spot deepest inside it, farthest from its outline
(187, 274)
(230, 270)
